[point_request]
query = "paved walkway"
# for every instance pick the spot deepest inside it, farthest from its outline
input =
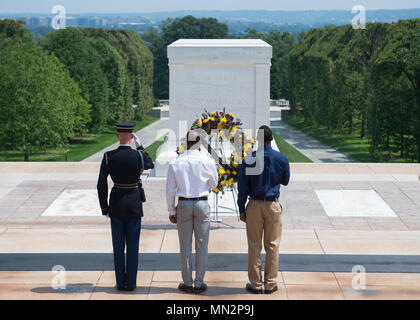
(317, 252)
(147, 135)
(308, 146)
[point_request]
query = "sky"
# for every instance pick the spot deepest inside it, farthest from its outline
(133, 6)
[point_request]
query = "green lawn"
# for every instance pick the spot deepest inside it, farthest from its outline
(80, 148)
(290, 152)
(345, 142)
(153, 148)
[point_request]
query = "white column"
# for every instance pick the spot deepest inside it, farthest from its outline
(176, 94)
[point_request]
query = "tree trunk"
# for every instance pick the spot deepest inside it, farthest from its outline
(363, 129)
(402, 146)
(26, 156)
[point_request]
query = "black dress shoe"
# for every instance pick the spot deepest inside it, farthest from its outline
(251, 289)
(275, 288)
(200, 289)
(187, 289)
(120, 288)
(130, 288)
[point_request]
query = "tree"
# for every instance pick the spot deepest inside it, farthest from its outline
(113, 67)
(338, 75)
(138, 64)
(396, 70)
(40, 105)
(82, 60)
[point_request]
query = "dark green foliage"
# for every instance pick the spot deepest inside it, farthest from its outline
(40, 105)
(338, 75)
(82, 60)
(114, 70)
(282, 43)
(138, 65)
(395, 78)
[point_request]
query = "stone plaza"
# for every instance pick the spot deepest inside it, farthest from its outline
(350, 230)
(49, 217)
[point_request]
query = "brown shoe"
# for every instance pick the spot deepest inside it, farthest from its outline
(183, 287)
(275, 288)
(251, 289)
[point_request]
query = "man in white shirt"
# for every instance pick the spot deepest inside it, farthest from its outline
(190, 177)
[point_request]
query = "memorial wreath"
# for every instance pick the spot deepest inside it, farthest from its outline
(225, 127)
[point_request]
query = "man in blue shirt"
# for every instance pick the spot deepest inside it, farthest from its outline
(260, 181)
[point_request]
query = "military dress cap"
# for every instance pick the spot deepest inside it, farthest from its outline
(125, 126)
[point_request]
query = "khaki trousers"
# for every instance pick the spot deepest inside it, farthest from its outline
(263, 219)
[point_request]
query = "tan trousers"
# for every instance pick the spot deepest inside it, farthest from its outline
(263, 219)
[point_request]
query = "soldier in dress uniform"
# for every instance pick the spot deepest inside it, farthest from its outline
(125, 208)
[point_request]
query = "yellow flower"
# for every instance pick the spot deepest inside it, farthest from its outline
(228, 172)
(231, 114)
(223, 120)
(221, 171)
(200, 123)
(237, 159)
(253, 141)
(230, 181)
(213, 113)
(206, 120)
(220, 126)
(181, 148)
(211, 118)
(235, 128)
(222, 183)
(234, 173)
(216, 190)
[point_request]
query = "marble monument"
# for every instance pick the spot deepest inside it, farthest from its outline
(215, 74)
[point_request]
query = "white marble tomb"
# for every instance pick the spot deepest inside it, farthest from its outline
(215, 74)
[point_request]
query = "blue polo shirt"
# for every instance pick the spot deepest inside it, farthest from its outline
(267, 184)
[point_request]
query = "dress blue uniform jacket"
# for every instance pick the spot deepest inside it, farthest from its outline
(125, 166)
(267, 184)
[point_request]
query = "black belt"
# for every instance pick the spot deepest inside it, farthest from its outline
(265, 198)
(193, 199)
(126, 186)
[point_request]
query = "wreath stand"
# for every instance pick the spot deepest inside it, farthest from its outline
(232, 190)
(215, 213)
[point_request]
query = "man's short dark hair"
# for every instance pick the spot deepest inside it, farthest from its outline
(268, 135)
(193, 137)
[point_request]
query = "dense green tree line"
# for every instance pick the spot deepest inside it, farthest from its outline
(40, 104)
(339, 76)
(282, 44)
(113, 68)
(72, 82)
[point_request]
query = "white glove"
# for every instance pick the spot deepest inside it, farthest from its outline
(136, 141)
